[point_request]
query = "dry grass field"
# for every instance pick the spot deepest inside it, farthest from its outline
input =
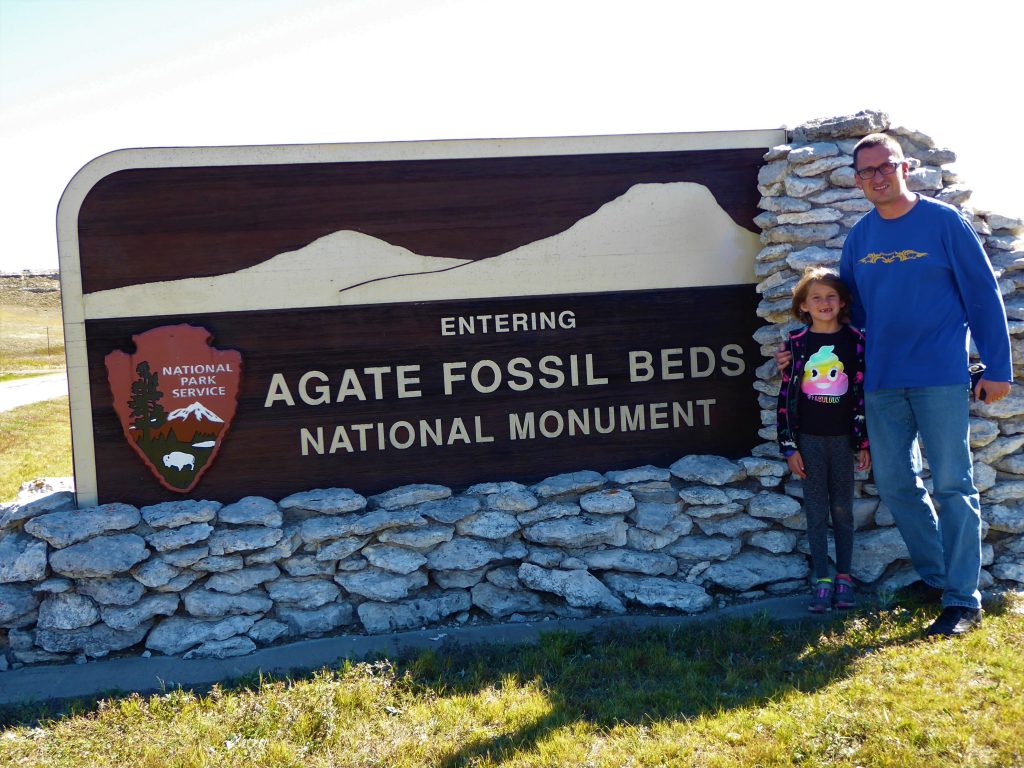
(31, 331)
(35, 440)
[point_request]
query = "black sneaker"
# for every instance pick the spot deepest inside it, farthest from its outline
(954, 620)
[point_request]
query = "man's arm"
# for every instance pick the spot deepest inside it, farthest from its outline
(986, 315)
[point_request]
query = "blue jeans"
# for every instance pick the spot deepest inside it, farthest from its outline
(945, 548)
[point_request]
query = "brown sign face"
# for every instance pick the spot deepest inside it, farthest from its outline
(175, 397)
(449, 312)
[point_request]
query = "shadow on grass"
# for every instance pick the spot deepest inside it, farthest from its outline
(621, 675)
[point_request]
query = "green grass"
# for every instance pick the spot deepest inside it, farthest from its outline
(35, 441)
(867, 691)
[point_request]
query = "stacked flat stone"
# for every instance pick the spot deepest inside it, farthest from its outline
(810, 201)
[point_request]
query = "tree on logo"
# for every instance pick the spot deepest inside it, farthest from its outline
(145, 401)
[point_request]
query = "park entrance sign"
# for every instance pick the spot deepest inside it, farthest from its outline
(264, 320)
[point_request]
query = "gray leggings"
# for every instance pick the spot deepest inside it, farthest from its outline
(828, 462)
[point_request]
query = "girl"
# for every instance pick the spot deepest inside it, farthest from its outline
(821, 424)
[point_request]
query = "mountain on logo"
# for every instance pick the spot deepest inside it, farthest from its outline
(192, 423)
(197, 411)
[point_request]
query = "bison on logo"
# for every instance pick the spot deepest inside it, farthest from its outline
(175, 398)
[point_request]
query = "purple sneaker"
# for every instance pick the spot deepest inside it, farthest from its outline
(821, 600)
(843, 596)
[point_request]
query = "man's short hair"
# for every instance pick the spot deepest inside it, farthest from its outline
(878, 140)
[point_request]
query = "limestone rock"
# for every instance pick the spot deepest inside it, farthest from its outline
(184, 558)
(514, 501)
(67, 611)
(499, 602)
(550, 511)
(22, 558)
(654, 516)
(874, 551)
(732, 527)
(177, 538)
(750, 569)
(851, 126)
(127, 618)
(309, 565)
(17, 603)
(375, 584)
(458, 579)
(1007, 519)
(420, 539)
(252, 510)
(155, 573)
(177, 634)
(381, 617)
(775, 506)
(642, 474)
(318, 621)
(578, 532)
(96, 641)
(409, 495)
(613, 501)
(222, 649)
(577, 587)
(179, 583)
(324, 501)
(54, 502)
(54, 586)
(648, 563)
(776, 542)
(237, 582)
(338, 549)
(394, 559)
(228, 541)
(490, 524)
(703, 495)
(267, 631)
(1009, 572)
(649, 541)
(712, 470)
(218, 564)
(449, 511)
(100, 556)
(285, 548)
(306, 593)
(61, 529)
(659, 593)
(698, 548)
(569, 483)
(463, 555)
(207, 604)
(174, 514)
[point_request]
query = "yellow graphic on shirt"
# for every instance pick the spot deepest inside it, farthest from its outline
(892, 256)
(823, 380)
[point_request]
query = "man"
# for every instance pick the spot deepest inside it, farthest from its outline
(919, 279)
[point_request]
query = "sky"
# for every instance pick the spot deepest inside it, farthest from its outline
(80, 78)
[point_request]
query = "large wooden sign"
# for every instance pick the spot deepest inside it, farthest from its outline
(263, 320)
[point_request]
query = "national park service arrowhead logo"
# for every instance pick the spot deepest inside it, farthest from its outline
(175, 398)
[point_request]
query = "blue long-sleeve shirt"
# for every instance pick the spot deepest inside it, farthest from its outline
(919, 283)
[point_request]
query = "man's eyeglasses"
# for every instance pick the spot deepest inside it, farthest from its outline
(886, 169)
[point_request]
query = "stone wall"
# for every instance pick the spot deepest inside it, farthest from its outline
(204, 579)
